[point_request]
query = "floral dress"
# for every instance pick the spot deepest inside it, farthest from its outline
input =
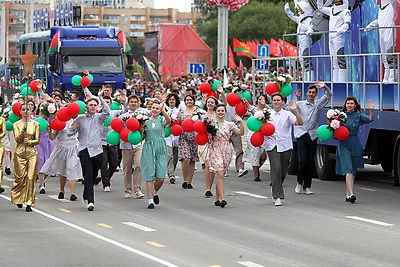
(349, 152)
(187, 147)
(221, 149)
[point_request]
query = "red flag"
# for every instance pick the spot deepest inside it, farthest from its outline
(291, 50)
(231, 58)
(253, 47)
(265, 42)
(240, 71)
(166, 75)
(275, 49)
(242, 49)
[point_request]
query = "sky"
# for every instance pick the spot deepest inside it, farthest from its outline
(181, 5)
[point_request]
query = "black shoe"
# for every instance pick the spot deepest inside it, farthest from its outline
(353, 199)
(156, 199)
(223, 203)
(2, 190)
(42, 191)
(150, 206)
(73, 197)
(8, 171)
(61, 195)
(257, 179)
(208, 194)
(185, 185)
(97, 181)
(203, 166)
(19, 206)
(348, 199)
(172, 180)
(217, 203)
(189, 186)
(28, 209)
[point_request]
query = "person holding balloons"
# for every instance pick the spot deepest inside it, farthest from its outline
(26, 134)
(279, 145)
(221, 151)
(349, 152)
(90, 129)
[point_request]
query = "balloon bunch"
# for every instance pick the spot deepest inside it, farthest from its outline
(261, 126)
(281, 85)
(84, 79)
(66, 113)
(174, 128)
(336, 119)
(132, 132)
(234, 100)
(210, 88)
(34, 86)
(13, 114)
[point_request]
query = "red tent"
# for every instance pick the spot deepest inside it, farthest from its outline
(178, 46)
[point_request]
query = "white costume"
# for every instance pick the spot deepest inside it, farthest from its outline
(304, 29)
(387, 36)
(339, 22)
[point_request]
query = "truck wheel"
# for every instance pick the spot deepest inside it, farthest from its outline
(324, 165)
(294, 161)
(396, 162)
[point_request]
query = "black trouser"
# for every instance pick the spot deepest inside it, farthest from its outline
(90, 168)
(110, 163)
(306, 150)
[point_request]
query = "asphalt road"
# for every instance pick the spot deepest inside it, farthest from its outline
(186, 229)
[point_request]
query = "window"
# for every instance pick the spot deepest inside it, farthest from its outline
(111, 17)
(91, 16)
(138, 18)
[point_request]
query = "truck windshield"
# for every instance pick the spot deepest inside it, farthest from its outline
(94, 64)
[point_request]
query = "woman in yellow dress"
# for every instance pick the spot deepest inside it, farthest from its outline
(26, 134)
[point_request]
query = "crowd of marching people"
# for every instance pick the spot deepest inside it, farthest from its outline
(203, 126)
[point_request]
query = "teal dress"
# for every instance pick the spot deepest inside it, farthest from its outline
(349, 153)
(153, 163)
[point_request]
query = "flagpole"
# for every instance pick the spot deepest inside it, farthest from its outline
(222, 54)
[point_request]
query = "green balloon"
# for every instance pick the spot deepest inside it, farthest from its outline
(115, 106)
(27, 91)
(201, 105)
(108, 121)
(13, 117)
(82, 106)
(254, 124)
(324, 133)
(76, 80)
(90, 76)
(286, 89)
(44, 125)
(167, 131)
(23, 86)
(134, 137)
(113, 138)
(9, 126)
(215, 85)
(246, 95)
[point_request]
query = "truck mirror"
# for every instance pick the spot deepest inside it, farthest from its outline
(52, 62)
(129, 67)
(130, 59)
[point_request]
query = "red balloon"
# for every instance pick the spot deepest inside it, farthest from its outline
(124, 134)
(117, 124)
(241, 109)
(200, 127)
(33, 85)
(341, 133)
(267, 129)
(133, 124)
(63, 114)
(205, 88)
(201, 138)
(16, 108)
(57, 125)
(257, 139)
(177, 122)
(176, 130)
(187, 125)
(214, 94)
(85, 81)
(272, 88)
(73, 109)
(232, 99)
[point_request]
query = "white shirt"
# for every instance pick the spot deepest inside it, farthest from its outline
(282, 137)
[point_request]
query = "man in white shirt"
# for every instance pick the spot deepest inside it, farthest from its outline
(279, 145)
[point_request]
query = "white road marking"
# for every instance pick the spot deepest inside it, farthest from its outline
(369, 221)
(250, 194)
(138, 226)
(56, 198)
(249, 264)
(105, 239)
(8, 179)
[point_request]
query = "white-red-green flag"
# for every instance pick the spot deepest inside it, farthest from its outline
(151, 68)
(125, 44)
(55, 44)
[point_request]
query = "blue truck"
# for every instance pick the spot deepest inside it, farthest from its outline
(93, 48)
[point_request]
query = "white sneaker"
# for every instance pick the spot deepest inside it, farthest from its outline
(308, 191)
(139, 194)
(226, 174)
(278, 202)
(298, 189)
(90, 207)
(242, 172)
(107, 189)
(127, 195)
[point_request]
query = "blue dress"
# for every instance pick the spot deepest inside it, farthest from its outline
(154, 160)
(349, 153)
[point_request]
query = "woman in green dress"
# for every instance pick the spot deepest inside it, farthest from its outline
(153, 162)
